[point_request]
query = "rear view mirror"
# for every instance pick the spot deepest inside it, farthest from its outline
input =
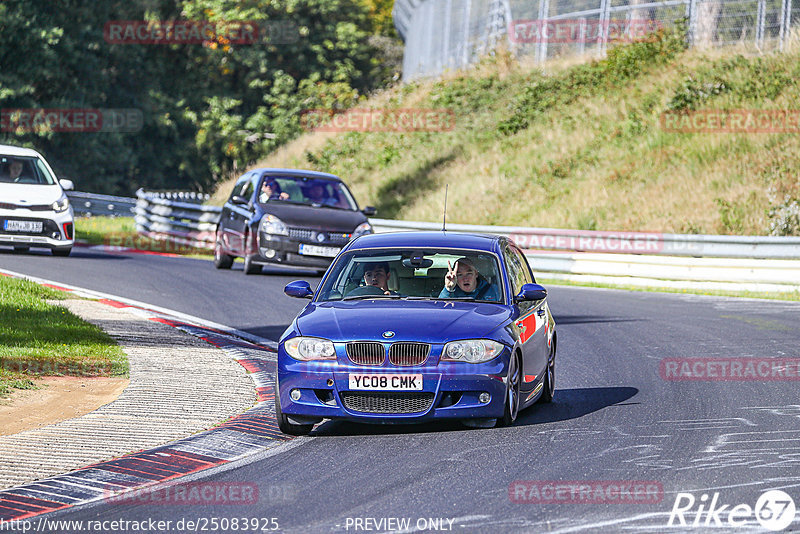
(66, 185)
(417, 263)
(531, 292)
(299, 289)
(369, 211)
(239, 201)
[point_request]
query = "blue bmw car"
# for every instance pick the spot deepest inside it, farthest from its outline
(410, 327)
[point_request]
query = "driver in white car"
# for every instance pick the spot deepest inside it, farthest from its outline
(14, 170)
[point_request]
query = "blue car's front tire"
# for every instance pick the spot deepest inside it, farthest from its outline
(283, 421)
(513, 381)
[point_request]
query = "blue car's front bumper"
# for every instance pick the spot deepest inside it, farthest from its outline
(449, 390)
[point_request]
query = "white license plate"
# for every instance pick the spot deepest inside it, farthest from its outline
(23, 226)
(314, 250)
(386, 382)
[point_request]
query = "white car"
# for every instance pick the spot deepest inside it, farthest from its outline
(34, 211)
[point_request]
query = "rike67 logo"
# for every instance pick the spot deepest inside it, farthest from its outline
(774, 510)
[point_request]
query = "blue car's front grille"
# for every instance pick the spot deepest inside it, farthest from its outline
(366, 353)
(406, 354)
(400, 354)
(368, 402)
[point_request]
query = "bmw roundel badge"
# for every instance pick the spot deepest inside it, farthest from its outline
(388, 334)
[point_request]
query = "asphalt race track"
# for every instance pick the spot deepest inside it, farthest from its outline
(616, 425)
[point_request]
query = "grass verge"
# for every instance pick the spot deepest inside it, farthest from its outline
(121, 232)
(38, 338)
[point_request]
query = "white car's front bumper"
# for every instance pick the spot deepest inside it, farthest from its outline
(58, 229)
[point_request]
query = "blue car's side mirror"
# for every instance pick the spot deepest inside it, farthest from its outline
(299, 289)
(531, 292)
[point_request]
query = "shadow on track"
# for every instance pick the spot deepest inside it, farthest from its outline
(271, 332)
(586, 319)
(567, 404)
(76, 253)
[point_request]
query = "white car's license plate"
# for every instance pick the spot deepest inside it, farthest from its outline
(386, 382)
(314, 250)
(23, 226)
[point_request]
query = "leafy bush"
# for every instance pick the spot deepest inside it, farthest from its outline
(785, 219)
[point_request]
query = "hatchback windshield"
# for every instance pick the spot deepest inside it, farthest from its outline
(24, 170)
(303, 190)
(414, 274)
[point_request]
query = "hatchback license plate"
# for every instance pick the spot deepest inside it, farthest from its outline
(23, 226)
(313, 250)
(387, 382)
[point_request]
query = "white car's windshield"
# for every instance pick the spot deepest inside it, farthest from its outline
(303, 190)
(415, 274)
(24, 170)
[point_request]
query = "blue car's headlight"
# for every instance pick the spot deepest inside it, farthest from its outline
(273, 225)
(471, 350)
(61, 205)
(309, 348)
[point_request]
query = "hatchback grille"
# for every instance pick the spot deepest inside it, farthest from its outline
(366, 353)
(405, 354)
(32, 207)
(311, 236)
(387, 402)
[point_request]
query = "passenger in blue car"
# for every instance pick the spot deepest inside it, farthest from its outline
(464, 280)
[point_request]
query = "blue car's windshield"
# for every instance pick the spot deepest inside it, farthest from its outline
(394, 274)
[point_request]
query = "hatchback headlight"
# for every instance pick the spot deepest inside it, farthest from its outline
(309, 348)
(61, 205)
(362, 229)
(273, 225)
(471, 350)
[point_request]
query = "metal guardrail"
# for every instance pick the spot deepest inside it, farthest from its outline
(756, 263)
(185, 221)
(90, 204)
(695, 245)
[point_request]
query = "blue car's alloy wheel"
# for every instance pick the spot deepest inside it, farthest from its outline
(512, 392)
(549, 388)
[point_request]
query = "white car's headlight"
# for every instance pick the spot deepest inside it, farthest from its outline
(362, 229)
(61, 205)
(471, 350)
(273, 225)
(309, 348)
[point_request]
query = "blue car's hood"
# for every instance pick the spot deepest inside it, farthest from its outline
(426, 320)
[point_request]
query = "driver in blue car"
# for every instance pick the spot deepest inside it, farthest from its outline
(377, 274)
(464, 280)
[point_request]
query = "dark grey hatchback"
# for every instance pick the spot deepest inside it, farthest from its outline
(288, 217)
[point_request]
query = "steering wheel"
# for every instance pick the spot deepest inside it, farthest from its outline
(365, 290)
